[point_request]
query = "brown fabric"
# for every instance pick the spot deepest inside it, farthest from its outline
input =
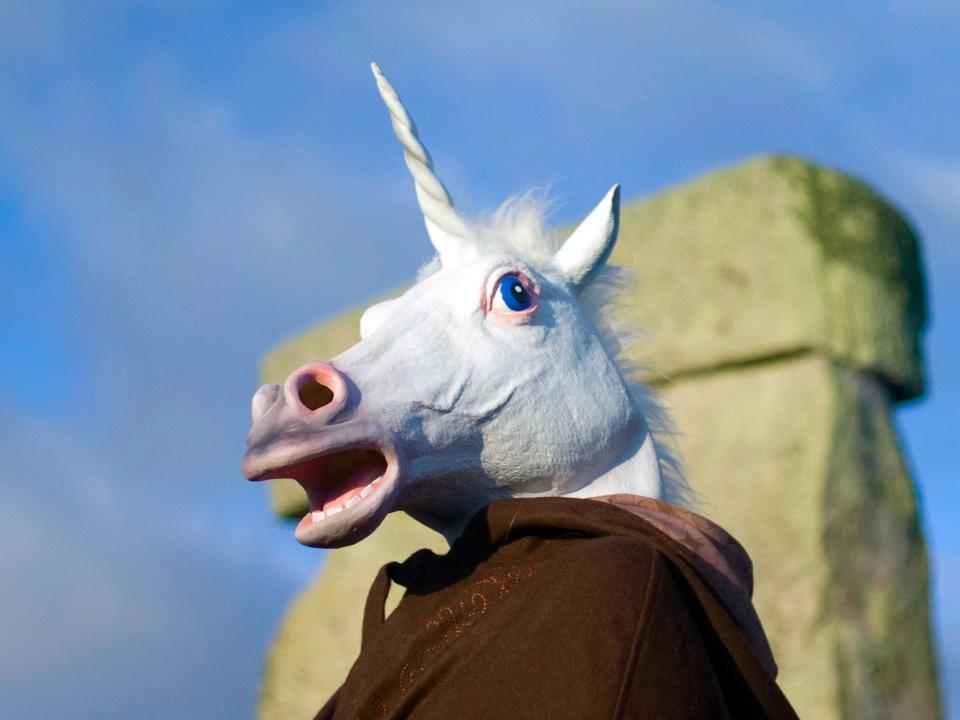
(716, 555)
(566, 608)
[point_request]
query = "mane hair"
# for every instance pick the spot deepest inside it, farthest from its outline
(515, 228)
(615, 320)
(518, 227)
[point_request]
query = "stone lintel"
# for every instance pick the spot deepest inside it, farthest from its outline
(770, 258)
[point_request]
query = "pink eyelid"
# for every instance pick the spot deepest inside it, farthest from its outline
(514, 314)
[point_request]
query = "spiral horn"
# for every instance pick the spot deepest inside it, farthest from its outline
(447, 230)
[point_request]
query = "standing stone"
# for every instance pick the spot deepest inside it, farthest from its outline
(784, 304)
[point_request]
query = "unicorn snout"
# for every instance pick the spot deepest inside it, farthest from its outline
(263, 400)
(349, 469)
(318, 390)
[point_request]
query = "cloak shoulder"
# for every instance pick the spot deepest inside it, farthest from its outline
(567, 608)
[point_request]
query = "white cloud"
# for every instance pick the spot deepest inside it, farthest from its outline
(611, 56)
(178, 230)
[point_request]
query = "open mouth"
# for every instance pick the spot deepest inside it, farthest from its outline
(338, 481)
(347, 491)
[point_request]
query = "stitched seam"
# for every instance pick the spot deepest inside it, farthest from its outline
(646, 611)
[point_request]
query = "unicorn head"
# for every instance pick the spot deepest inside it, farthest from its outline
(495, 375)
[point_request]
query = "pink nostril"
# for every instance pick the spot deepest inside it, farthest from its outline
(316, 386)
(314, 394)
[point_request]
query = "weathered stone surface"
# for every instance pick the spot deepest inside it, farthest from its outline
(785, 303)
(772, 257)
(799, 460)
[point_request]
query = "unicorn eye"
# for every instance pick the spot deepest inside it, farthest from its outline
(514, 295)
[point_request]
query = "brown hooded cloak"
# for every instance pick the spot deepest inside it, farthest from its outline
(566, 608)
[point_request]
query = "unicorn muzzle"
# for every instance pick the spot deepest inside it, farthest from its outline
(348, 468)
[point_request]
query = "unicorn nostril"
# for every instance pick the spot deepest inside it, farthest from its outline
(314, 394)
(317, 386)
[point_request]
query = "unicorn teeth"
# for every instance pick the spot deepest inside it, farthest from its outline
(366, 490)
(334, 510)
(317, 515)
(352, 501)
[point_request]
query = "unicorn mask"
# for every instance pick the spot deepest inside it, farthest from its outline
(491, 377)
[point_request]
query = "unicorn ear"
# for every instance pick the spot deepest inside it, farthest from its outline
(374, 316)
(589, 246)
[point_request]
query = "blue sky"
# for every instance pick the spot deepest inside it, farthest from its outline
(184, 184)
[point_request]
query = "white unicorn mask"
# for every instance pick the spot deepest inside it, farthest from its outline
(489, 378)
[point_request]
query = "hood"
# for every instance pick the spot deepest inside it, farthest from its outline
(684, 536)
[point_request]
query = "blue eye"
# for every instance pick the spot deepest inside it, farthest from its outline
(514, 293)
